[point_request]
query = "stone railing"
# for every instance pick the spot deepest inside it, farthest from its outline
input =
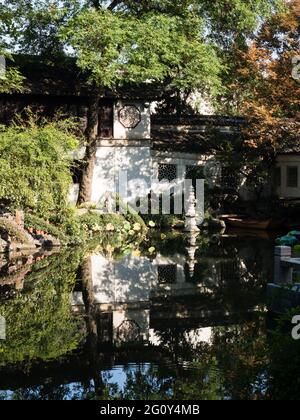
(284, 294)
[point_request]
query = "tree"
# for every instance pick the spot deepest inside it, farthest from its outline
(10, 78)
(32, 26)
(185, 46)
(269, 94)
(116, 49)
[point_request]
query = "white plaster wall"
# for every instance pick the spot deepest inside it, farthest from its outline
(134, 162)
(142, 131)
(104, 174)
(73, 194)
(284, 161)
(181, 160)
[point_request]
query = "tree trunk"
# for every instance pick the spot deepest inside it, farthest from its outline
(91, 313)
(85, 192)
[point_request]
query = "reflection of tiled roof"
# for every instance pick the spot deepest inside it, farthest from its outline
(192, 133)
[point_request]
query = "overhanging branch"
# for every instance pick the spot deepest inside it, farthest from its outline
(114, 4)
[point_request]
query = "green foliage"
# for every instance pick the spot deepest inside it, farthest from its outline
(127, 225)
(11, 81)
(163, 221)
(186, 45)
(39, 321)
(105, 229)
(234, 21)
(34, 25)
(35, 167)
(118, 48)
(130, 215)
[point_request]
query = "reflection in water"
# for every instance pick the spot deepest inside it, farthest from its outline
(184, 322)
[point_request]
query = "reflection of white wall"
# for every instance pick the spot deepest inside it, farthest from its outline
(142, 131)
(201, 335)
(122, 282)
(140, 317)
(192, 337)
(136, 280)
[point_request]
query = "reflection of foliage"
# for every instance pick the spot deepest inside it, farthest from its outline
(146, 384)
(242, 355)
(174, 242)
(204, 382)
(233, 365)
(43, 392)
(39, 321)
(284, 368)
(237, 360)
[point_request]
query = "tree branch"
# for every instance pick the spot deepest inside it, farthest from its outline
(114, 4)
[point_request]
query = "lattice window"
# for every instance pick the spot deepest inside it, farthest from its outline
(292, 177)
(229, 179)
(130, 116)
(167, 274)
(167, 172)
(230, 271)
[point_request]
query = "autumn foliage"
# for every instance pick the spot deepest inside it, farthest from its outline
(270, 91)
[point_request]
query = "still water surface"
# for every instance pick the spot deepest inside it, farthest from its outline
(178, 319)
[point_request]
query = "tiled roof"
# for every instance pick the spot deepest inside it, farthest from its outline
(197, 133)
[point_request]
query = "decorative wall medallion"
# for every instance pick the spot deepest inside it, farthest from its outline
(128, 331)
(130, 116)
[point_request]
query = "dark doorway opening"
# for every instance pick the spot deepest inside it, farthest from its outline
(106, 119)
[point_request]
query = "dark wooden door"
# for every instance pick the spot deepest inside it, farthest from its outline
(106, 120)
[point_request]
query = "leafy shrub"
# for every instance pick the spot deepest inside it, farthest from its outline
(35, 166)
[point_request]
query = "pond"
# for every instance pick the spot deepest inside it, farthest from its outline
(176, 318)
